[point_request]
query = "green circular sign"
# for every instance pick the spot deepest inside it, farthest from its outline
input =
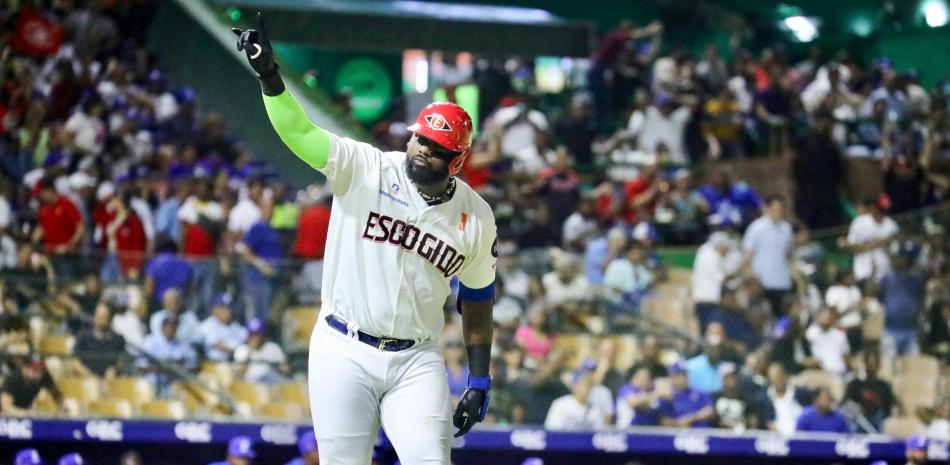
(368, 85)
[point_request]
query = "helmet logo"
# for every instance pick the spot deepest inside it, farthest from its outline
(437, 122)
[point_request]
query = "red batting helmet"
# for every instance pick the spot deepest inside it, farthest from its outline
(448, 125)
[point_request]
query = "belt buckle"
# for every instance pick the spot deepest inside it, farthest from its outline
(382, 343)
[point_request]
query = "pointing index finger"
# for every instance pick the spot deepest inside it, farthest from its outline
(261, 27)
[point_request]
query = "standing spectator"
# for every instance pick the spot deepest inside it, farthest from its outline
(638, 402)
(166, 271)
(260, 361)
(99, 350)
(829, 344)
(166, 216)
(188, 326)
(201, 218)
(311, 241)
(85, 128)
(902, 292)
(261, 250)
(822, 416)
(711, 70)
(641, 194)
(663, 124)
(768, 246)
(873, 395)
(722, 125)
(165, 346)
(247, 212)
(60, 227)
(520, 128)
(602, 250)
(786, 400)
(221, 334)
(577, 131)
(23, 385)
(845, 298)
(709, 276)
(818, 171)
(559, 186)
(685, 407)
(868, 236)
(774, 107)
(125, 243)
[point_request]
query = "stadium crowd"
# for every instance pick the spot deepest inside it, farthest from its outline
(134, 222)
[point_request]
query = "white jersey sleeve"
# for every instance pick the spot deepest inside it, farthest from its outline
(479, 271)
(349, 163)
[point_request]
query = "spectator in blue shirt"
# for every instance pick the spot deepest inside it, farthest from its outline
(600, 251)
(222, 335)
(309, 453)
(261, 250)
(166, 347)
(166, 271)
(166, 216)
(240, 452)
(822, 416)
(685, 407)
(737, 201)
(767, 247)
(188, 330)
(703, 369)
(638, 402)
(902, 292)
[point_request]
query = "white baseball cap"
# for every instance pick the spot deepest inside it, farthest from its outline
(105, 190)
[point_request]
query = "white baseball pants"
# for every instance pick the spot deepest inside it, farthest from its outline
(355, 387)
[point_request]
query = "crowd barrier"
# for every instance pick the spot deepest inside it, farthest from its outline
(193, 442)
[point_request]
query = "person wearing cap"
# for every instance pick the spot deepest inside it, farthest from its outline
(588, 407)
(222, 335)
(188, 326)
(260, 361)
(916, 449)
(683, 406)
(822, 415)
(28, 457)
(868, 236)
(309, 453)
(240, 452)
(710, 272)
(59, 228)
(72, 458)
(638, 402)
(403, 226)
(165, 346)
(24, 385)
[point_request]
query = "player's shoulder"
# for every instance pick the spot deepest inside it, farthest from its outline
(471, 200)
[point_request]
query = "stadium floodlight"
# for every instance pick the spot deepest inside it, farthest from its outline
(804, 29)
(935, 12)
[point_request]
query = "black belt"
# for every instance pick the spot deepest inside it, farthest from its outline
(382, 343)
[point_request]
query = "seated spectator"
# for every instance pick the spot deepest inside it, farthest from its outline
(30, 278)
(99, 350)
(130, 323)
(872, 394)
(165, 347)
(822, 416)
(788, 346)
(650, 357)
(938, 420)
(221, 334)
(685, 407)
(541, 386)
(735, 201)
(260, 361)
(628, 276)
(565, 287)
(703, 369)
(902, 291)
(638, 402)
(580, 227)
(534, 336)
(166, 271)
(844, 297)
(22, 386)
(679, 212)
(587, 407)
(188, 326)
(455, 370)
(787, 400)
(828, 344)
(607, 373)
(734, 410)
(600, 251)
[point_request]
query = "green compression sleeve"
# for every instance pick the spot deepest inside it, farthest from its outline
(308, 141)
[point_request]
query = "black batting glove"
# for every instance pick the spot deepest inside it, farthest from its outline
(255, 43)
(473, 406)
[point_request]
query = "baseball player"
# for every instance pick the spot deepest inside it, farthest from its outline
(28, 457)
(402, 226)
(72, 458)
(240, 452)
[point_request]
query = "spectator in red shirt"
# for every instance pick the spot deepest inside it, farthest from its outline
(311, 241)
(642, 192)
(125, 243)
(60, 227)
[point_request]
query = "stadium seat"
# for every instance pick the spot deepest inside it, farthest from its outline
(112, 408)
(293, 392)
(136, 391)
(254, 394)
(814, 379)
(221, 372)
(194, 396)
(576, 346)
(913, 393)
(873, 326)
(283, 411)
(922, 367)
(57, 344)
(902, 426)
(82, 390)
(164, 409)
(298, 326)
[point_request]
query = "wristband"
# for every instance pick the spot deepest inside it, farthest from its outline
(479, 382)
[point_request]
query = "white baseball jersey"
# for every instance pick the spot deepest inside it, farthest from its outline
(389, 255)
